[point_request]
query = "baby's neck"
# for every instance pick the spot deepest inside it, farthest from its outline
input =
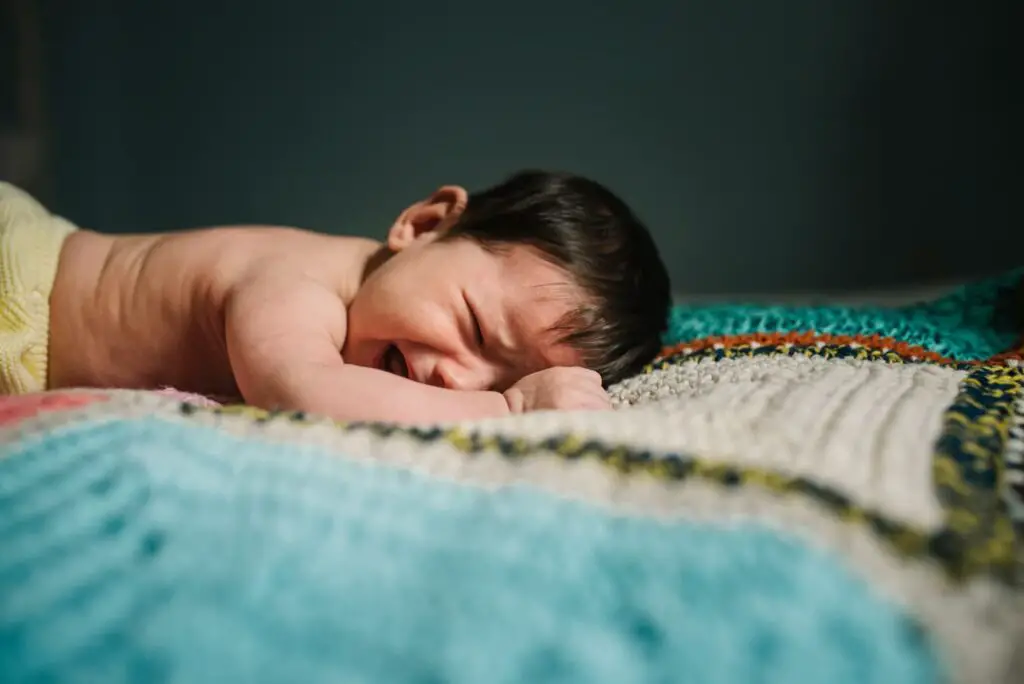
(360, 258)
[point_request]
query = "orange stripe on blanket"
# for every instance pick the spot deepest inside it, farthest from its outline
(1014, 353)
(874, 342)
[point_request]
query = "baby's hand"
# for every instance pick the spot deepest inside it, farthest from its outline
(563, 388)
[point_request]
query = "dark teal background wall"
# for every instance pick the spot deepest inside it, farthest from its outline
(800, 144)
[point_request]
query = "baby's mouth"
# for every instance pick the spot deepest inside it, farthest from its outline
(394, 362)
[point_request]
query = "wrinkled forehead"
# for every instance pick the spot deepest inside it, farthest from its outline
(545, 323)
(537, 300)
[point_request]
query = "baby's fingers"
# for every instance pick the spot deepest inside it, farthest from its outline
(593, 400)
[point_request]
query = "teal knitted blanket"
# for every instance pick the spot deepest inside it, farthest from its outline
(789, 495)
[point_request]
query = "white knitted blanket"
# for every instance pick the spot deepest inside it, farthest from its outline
(789, 495)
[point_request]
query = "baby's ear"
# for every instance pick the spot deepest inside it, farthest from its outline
(429, 218)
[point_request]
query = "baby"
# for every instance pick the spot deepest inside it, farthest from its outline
(534, 294)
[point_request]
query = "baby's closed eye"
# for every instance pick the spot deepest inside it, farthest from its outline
(474, 319)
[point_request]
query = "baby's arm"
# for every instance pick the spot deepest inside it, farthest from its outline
(283, 342)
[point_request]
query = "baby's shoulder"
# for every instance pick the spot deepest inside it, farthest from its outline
(281, 276)
(283, 304)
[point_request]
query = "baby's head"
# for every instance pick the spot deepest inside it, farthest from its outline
(477, 291)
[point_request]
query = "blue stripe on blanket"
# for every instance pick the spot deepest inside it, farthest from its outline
(152, 551)
(973, 322)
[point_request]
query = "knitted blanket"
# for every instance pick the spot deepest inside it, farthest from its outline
(788, 495)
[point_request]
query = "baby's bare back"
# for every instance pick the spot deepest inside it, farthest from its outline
(147, 311)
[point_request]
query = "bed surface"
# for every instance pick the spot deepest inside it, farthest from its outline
(791, 494)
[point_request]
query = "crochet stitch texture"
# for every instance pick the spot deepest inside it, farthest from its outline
(818, 494)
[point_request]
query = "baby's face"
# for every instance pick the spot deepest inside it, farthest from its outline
(452, 314)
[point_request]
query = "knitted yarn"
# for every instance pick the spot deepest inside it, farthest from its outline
(787, 495)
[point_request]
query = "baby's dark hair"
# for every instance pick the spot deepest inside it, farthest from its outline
(579, 225)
